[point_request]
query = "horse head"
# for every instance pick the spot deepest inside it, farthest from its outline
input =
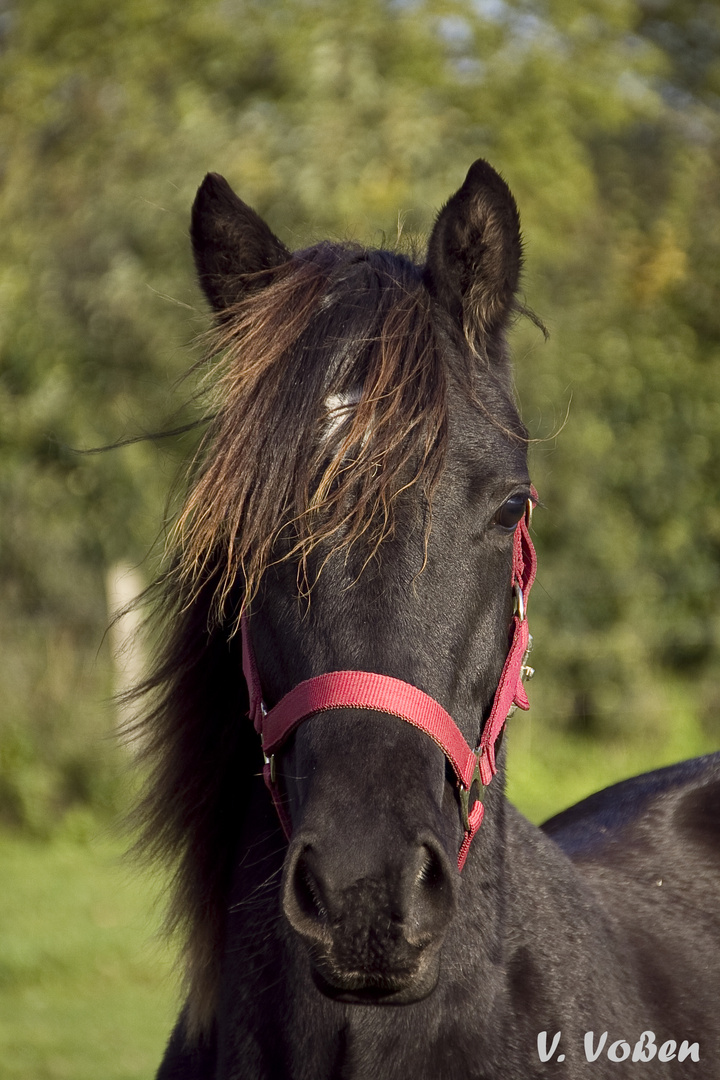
(362, 483)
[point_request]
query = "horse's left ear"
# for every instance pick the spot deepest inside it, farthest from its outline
(232, 244)
(475, 253)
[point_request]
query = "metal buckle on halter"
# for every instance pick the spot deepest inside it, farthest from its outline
(465, 794)
(519, 603)
(527, 672)
(270, 760)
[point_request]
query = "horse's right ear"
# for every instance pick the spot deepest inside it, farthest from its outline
(230, 241)
(475, 253)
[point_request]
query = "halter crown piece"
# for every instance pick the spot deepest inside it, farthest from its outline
(382, 693)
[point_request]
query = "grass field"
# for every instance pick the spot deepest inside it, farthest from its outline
(87, 991)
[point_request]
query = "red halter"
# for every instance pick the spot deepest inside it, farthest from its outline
(382, 693)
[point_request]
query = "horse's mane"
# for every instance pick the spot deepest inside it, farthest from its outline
(276, 475)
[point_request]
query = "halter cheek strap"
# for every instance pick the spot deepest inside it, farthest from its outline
(385, 694)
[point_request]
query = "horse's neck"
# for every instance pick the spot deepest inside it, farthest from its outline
(530, 927)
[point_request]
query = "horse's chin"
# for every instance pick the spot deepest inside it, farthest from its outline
(360, 989)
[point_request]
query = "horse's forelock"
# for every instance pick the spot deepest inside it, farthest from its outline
(334, 319)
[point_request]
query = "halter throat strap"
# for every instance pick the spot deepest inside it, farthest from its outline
(385, 694)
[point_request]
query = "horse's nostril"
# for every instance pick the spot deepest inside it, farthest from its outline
(308, 894)
(432, 896)
(431, 874)
(304, 900)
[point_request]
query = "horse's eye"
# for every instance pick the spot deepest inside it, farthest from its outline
(511, 511)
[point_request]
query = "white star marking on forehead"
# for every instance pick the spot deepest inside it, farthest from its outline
(338, 408)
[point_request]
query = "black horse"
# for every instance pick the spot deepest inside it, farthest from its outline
(359, 504)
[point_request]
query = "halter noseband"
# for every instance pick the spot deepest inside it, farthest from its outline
(382, 693)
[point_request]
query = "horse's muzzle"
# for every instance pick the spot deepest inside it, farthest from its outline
(376, 938)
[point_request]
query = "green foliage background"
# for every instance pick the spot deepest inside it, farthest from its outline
(353, 119)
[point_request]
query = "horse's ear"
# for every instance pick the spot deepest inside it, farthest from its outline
(475, 253)
(231, 243)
